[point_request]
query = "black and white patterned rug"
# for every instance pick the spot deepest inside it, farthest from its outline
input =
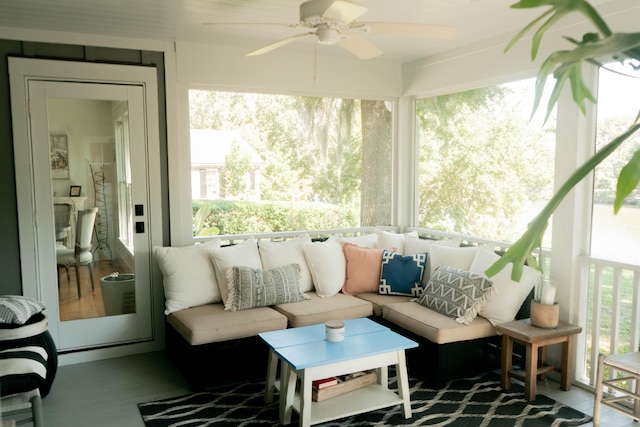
(474, 402)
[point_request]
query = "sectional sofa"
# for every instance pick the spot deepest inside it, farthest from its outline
(220, 296)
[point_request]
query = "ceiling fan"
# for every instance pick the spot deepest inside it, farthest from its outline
(333, 22)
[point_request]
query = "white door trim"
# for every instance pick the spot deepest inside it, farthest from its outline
(24, 70)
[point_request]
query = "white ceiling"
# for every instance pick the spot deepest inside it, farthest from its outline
(182, 20)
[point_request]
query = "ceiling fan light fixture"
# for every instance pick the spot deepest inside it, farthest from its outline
(327, 35)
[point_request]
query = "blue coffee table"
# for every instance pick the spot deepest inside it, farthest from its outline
(305, 354)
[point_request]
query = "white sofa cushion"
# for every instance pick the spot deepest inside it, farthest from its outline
(416, 245)
(244, 254)
(327, 266)
(278, 254)
(365, 241)
(393, 241)
(460, 257)
(188, 275)
(510, 295)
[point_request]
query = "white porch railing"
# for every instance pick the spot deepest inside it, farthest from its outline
(543, 255)
(609, 314)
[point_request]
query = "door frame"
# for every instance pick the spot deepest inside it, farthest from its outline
(30, 187)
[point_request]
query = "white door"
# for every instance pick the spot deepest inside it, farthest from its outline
(88, 145)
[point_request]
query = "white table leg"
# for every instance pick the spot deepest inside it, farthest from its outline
(383, 376)
(272, 368)
(287, 392)
(305, 400)
(403, 383)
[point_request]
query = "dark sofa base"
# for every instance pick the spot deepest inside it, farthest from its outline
(437, 364)
(209, 366)
(214, 365)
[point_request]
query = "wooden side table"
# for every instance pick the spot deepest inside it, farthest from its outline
(536, 340)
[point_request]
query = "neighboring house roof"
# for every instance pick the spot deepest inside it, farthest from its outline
(209, 147)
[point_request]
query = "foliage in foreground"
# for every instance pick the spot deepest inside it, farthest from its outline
(213, 217)
(567, 65)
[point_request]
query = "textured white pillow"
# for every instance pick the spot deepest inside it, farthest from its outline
(16, 309)
(188, 275)
(510, 295)
(415, 245)
(327, 266)
(244, 254)
(364, 241)
(279, 254)
(393, 241)
(461, 257)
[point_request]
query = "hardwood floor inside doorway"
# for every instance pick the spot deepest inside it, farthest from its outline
(90, 304)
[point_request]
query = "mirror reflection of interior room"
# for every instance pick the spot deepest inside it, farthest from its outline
(91, 187)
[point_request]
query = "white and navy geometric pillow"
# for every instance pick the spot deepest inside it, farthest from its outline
(456, 293)
(17, 309)
(402, 275)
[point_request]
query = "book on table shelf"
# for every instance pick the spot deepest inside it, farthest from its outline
(344, 384)
(324, 382)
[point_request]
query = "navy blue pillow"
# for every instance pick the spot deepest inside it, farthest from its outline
(402, 275)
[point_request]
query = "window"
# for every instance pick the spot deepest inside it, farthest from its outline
(485, 169)
(616, 237)
(123, 172)
(272, 163)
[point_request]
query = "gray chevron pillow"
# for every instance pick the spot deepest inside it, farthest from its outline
(456, 293)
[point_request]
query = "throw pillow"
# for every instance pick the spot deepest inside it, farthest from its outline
(460, 257)
(456, 293)
(189, 278)
(254, 287)
(402, 275)
(326, 263)
(510, 294)
(277, 254)
(416, 245)
(391, 241)
(362, 272)
(17, 309)
(244, 254)
(364, 241)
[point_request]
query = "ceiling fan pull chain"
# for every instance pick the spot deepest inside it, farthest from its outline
(315, 63)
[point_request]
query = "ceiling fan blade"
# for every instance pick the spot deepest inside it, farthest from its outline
(278, 44)
(252, 24)
(409, 30)
(343, 11)
(360, 47)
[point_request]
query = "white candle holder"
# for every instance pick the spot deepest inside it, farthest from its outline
(334, 330)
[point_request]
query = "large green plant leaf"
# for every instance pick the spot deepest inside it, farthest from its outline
(627, 181)
(566, 66)
(520, 252)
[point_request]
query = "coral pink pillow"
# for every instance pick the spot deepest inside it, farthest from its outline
(362, 269)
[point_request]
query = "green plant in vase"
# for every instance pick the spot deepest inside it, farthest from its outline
(567, 66)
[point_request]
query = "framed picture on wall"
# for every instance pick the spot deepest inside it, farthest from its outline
(59, 157)
(74, 191)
